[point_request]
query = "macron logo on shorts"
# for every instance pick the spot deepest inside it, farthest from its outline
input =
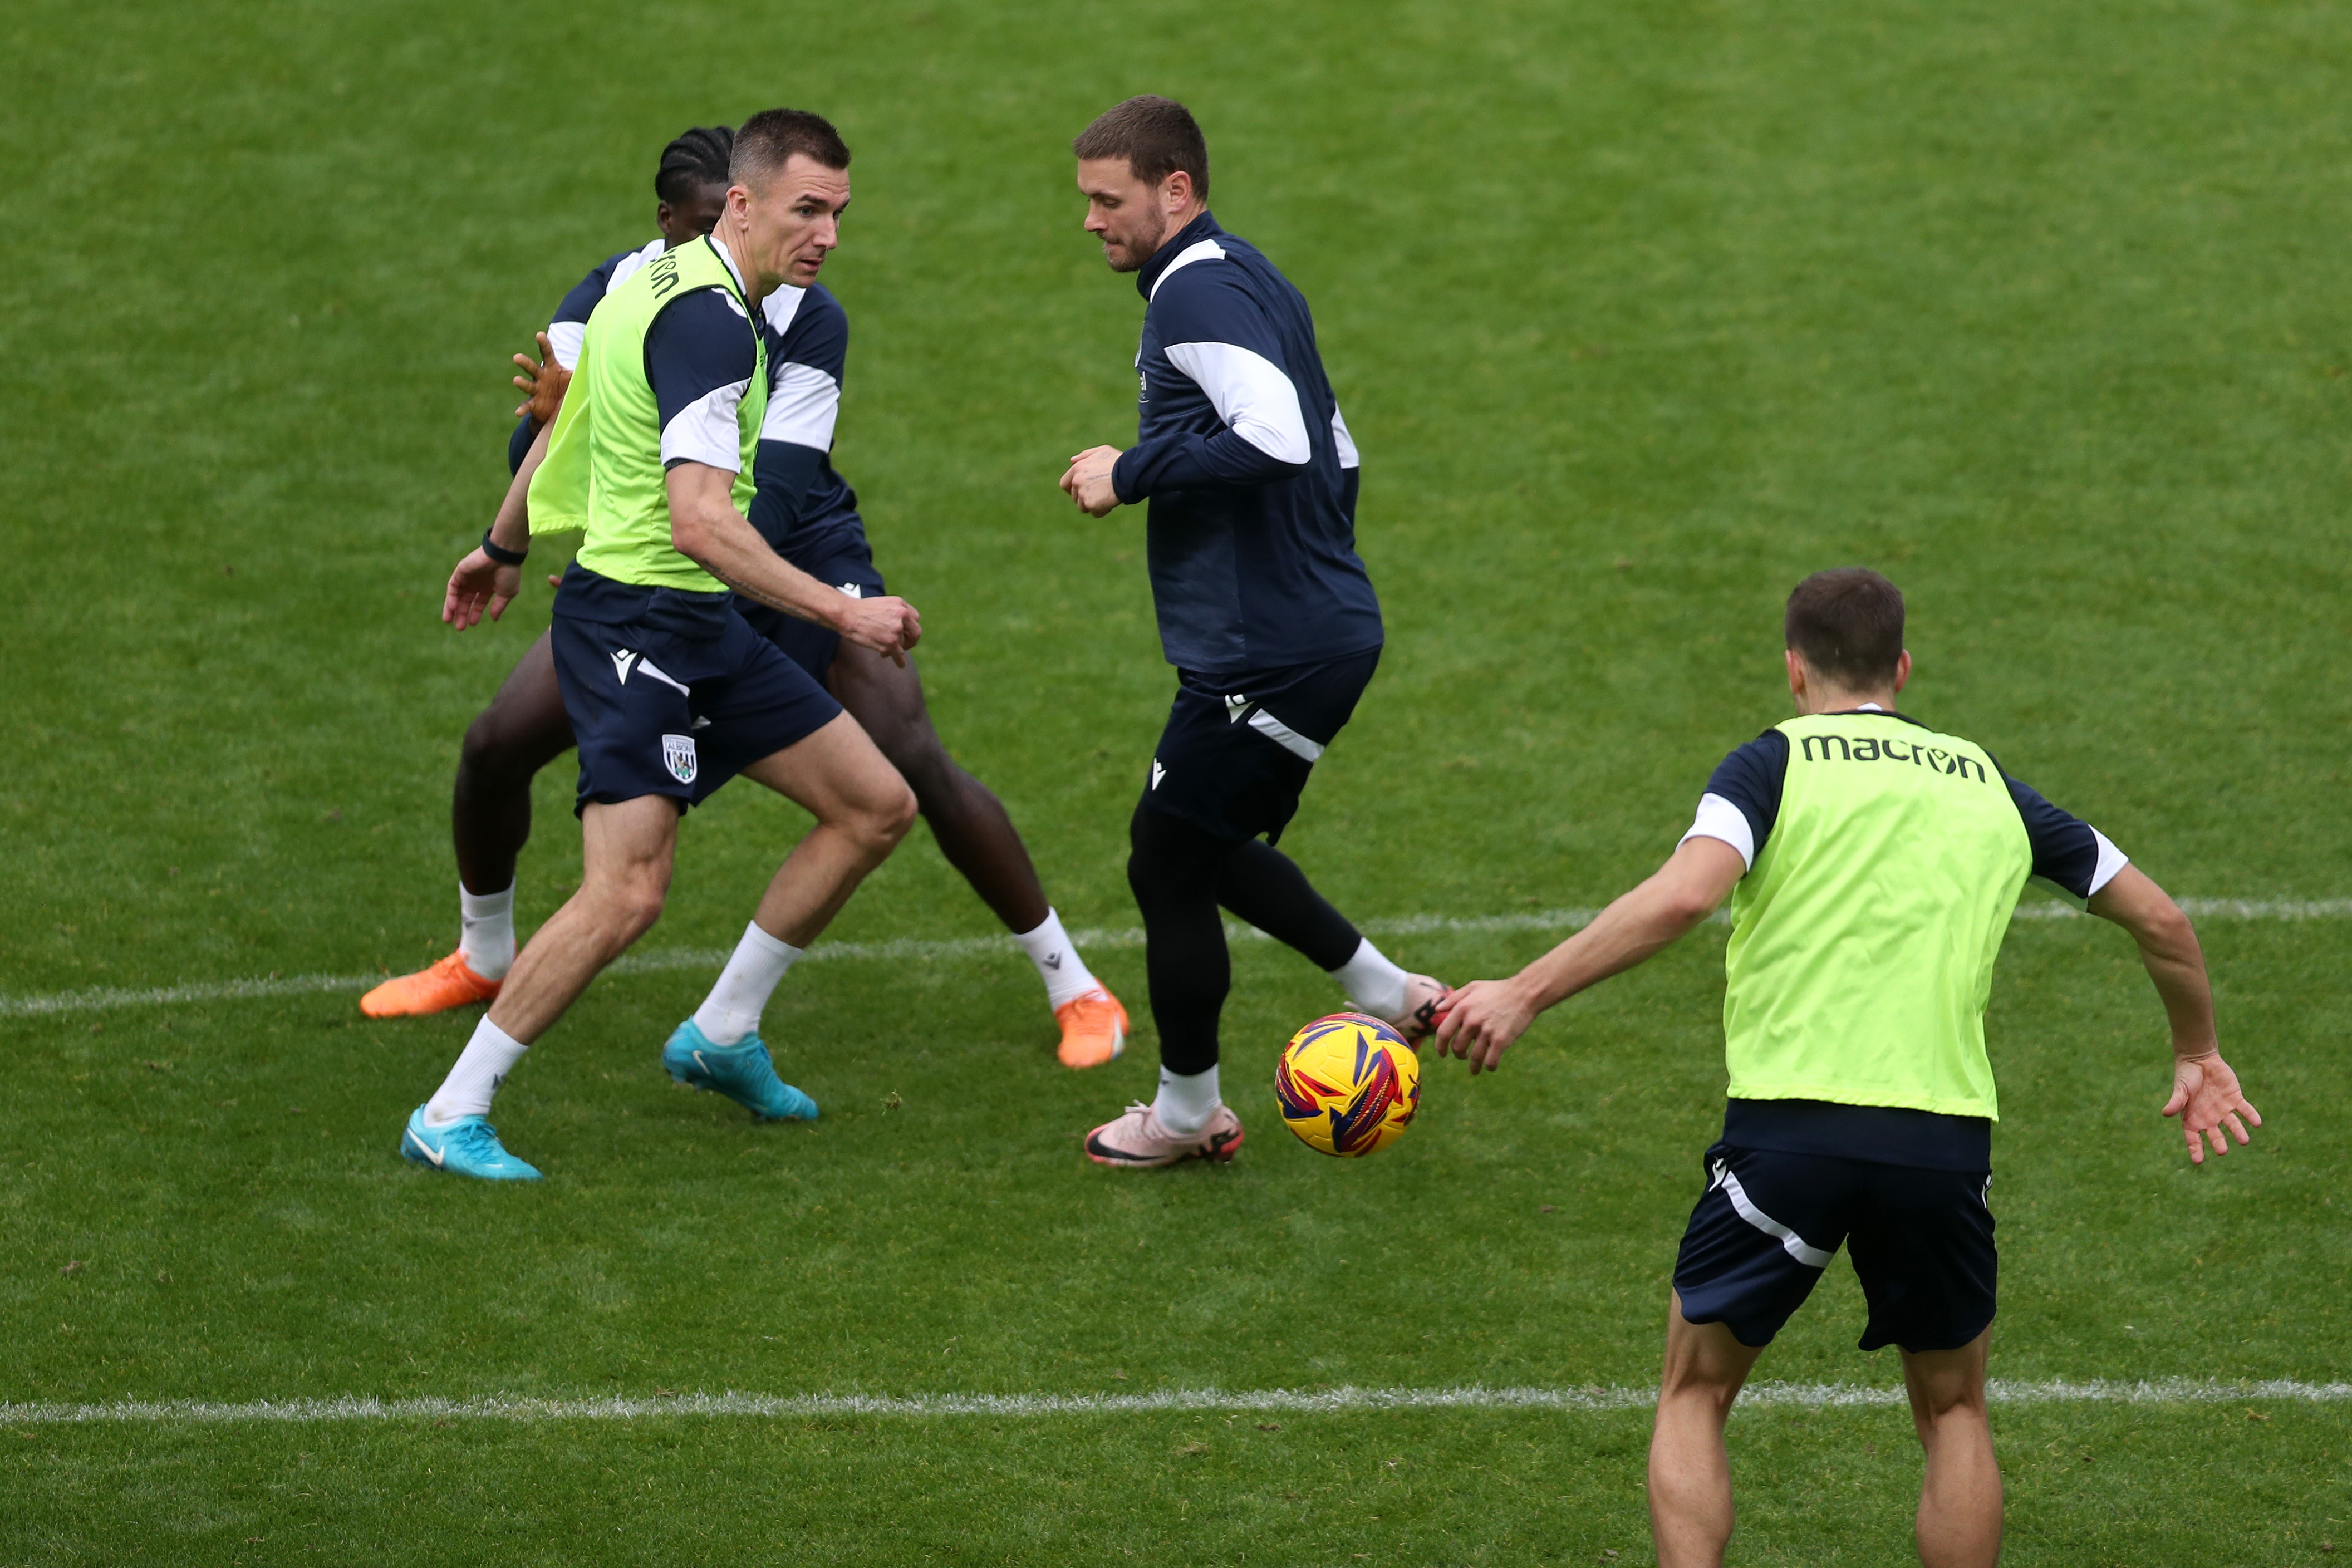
(1235, 706)
(678, 755)
(621, 663)
(1158, 773)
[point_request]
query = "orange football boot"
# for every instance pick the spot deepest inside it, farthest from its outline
(1094, 1029)
(448, 984)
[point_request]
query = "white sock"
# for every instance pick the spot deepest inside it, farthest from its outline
(481, 1067)
(1065, 974)
(1186, 1101)
(732, 1009)
(485, 931)
(1374, 984)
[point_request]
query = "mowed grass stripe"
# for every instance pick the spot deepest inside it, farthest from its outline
(911, 949)
(1761, 1396)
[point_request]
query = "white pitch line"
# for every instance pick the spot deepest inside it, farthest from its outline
(1763, 1396)
(904, 949)
(919, 950)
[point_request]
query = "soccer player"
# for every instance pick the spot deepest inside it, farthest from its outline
(808, 513)
(1263, 609)
(669, 691)
(1876, 861)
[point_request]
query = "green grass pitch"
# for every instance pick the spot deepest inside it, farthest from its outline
(1639, 313)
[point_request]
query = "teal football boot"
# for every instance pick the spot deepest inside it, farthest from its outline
(743, 1072)
(467, 1147)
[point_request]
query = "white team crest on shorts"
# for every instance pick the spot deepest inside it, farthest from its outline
(678, 755)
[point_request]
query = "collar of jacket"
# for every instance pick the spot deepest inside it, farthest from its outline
(1200, 228)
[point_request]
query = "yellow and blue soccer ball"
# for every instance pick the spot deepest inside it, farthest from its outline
(1348, 1084)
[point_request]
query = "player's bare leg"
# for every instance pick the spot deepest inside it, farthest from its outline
(1959, 1498)
(523, 730)
(977, 836)
(625, 853)
(1690, 1472)
(863, 809)
(862, 806)
(627, 850)
(974, 833)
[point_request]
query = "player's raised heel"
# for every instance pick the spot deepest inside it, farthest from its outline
(744, 1073)
(448, 984)
(1422, 998)
(467, 1147)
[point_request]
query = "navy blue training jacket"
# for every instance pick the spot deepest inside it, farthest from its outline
(1250, 475)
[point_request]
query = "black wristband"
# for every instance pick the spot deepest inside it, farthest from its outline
(501, 554)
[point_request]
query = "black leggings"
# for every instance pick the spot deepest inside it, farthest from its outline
(1180, 875)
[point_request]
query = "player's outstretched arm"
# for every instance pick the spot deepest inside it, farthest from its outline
(706, 529)
(481, 585)
(1484, 1017)
(2205, 1094)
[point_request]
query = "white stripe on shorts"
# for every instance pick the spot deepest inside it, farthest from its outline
(648, 667)
(1795, 1246)
(1282, 734)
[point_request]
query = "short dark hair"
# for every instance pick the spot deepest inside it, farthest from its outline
(767, 141)
(1157, 136)
(695, 159)
(1848, 625)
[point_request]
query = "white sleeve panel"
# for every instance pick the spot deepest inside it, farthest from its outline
(1250, 394)
(781, 306)
(704, 430)
(802, 407)
(1345, 442)
(563, 339)
(633, 260)
(2111, 861)
(1719, 818)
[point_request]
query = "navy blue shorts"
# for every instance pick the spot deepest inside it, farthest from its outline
(804, 643)
(1770, 1222)
(1238, 748)
(672, 693)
